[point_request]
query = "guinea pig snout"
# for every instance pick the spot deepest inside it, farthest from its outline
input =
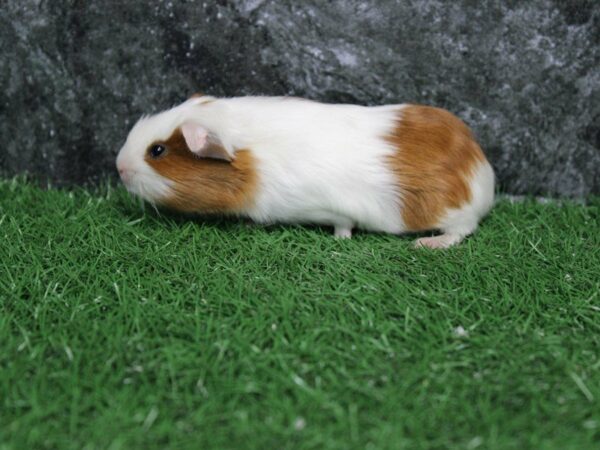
(124, 172)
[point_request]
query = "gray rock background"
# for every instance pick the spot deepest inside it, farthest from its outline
(525, 75)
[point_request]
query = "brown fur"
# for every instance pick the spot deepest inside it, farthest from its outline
(202, 184)
(435, 158)
(200, 95)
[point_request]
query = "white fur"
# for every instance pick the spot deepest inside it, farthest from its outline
(317, 163)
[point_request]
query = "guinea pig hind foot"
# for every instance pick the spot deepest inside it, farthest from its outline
(441, 241)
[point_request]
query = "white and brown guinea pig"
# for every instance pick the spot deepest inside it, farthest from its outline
(394, 168)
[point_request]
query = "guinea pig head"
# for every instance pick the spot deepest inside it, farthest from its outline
(181, 165)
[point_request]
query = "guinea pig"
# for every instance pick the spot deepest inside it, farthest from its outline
(392, 169)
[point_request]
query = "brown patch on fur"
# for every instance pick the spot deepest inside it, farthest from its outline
(200, 95)
(205, 185)
(435, 158)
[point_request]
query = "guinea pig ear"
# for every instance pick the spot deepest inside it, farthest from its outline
(198, 141)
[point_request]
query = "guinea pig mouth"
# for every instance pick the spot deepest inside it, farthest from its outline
(126, 176)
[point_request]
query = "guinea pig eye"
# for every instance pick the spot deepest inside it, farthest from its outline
(156, 150)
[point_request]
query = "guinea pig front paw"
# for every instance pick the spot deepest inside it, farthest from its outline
(342, 232)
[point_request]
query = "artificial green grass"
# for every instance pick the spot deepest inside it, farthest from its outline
(121, 328)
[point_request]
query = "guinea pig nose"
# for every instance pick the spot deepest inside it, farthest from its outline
(124, 174)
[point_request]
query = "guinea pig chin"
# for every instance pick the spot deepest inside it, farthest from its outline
(152, 187)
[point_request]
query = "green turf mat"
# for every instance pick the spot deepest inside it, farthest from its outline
(123, 328)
